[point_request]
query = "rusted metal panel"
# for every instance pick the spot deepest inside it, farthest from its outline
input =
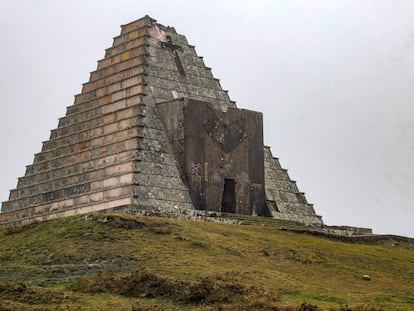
(223, 159)
(194, 153)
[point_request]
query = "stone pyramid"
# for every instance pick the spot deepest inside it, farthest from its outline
(153, 132)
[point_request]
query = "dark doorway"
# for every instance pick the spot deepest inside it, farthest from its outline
(228, 202)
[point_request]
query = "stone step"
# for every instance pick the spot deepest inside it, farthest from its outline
(136, 38)
(283, 194)
(137, 89)
(139, 49)
(132, 62)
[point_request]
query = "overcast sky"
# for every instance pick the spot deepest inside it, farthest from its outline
(333, 78)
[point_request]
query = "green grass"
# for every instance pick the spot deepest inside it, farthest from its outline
(122, 262)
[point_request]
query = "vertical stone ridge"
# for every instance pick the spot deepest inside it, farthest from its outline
(159, 187)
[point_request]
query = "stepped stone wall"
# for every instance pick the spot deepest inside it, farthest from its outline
(284, 199)
(112, 149)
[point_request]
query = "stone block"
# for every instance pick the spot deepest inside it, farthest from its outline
(149, 203)
(96, 132)
(136, 62)
(96, 185)
(71, 159)
(14, 194)
(85, 156)
(161, 193)
(6, 206)
(92, 85)
(81, 146)
(5, 217)
(132, 81)
(108, 118)
(106, 62)
(135, 90)
(96, 197)
(118, 58)
(134, 34)
(110, 204)
(23, 213)
(136, 51)
(157, 145)
(107, 109)
(96, 122)
(84, 97)
(109, 89)
(110, 128)
(113, 193)
(125, 113)
(128, 123)
(95, 174)
(102, 151)
(72, 170)
(150, 122)
(120, 168)
(135, 29)
(81, 200)
(104, 100)
(121, 135)
(157, 169)
(79, 127)
(121, 104)
(125, 74)
(21, 182)
(33, 190)
(65, 204)
(78, 137)
(126, 179)
(97, 74)
(96, 142)
(118, 95)
(153, 180)
(157, 157)
(138, 34)
(111, 182)
(68, 213)
(118, 147)
(125, 145)
(132, 101)
(130, 45)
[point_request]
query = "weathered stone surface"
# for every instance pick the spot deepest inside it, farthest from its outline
(283, 195)
(128, 144)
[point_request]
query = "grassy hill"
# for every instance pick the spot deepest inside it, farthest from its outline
(122, 262)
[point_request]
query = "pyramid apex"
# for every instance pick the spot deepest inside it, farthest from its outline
(138, 23)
